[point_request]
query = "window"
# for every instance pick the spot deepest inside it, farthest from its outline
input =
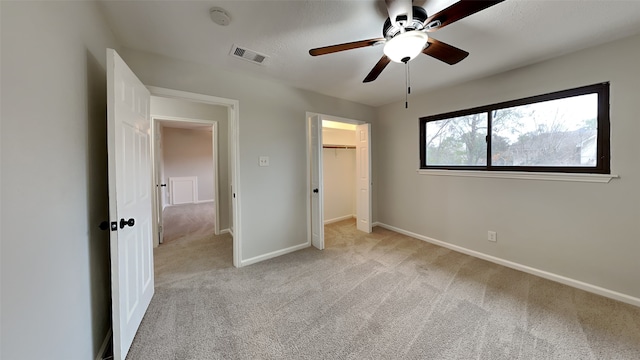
(565, 131)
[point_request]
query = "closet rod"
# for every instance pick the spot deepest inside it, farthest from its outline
(338, 146)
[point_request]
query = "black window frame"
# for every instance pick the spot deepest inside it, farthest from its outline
(603, 161)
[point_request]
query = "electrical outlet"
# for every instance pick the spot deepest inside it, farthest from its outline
(492, 236)
(263, 161)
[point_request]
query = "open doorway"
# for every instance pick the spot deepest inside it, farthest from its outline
(187, 172)
(191, 161)
(228, 147)
(339, 174)
(339, 171)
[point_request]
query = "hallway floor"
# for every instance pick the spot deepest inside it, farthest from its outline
(188, 220)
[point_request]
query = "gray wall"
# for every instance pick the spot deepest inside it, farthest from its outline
(585, 231)
(273, 200)
(55, 261)
(189, 152)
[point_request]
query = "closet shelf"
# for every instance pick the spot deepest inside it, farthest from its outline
(327, 146)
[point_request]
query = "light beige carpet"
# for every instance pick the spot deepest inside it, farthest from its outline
(185, 220)
(370, 296)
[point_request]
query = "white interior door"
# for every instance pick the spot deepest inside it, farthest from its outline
(130, 197)
(363, 176)
(317, 205)
(159, 178)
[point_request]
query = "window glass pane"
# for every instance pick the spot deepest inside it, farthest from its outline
(560, 132)
(457, 141)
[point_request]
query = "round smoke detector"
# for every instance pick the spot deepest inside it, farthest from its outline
(220, 16)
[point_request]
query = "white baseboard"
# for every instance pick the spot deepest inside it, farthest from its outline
(346, 217)
(273, 254)
(190, 203)
(541, 273)
(105, 342)
(172, 205)
(226, 231)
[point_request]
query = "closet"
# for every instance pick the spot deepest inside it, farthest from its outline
(339, 171)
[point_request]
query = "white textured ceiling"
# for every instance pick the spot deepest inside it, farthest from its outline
(506, 36)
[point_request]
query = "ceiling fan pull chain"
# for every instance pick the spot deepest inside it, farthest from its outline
(408, 79)
(406, 82)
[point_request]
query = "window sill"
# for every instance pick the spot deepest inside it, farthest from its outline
(593, 178)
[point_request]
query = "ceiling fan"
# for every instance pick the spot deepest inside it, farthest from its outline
(405, 34)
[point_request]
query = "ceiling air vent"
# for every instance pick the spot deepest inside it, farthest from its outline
(248, 55)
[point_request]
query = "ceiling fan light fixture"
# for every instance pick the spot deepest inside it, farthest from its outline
(406, 45)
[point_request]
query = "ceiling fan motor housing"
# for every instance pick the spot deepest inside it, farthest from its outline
(419, 17)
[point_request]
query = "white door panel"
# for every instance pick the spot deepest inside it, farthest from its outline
(158, 205)
(128, 143)
(363, 175)
(317, 201)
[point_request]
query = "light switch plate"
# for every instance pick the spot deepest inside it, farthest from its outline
(263, 161)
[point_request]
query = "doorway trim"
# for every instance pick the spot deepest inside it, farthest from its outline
(159, 119)
(308, 116)
(233, 108)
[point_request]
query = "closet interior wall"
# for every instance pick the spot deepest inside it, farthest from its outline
(339, 174)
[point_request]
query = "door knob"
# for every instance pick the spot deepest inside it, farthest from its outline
(124, 223)
(315, 191)
(105, 225)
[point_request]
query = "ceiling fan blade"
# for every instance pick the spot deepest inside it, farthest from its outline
(459, 10)
(373, 74)
(346, 46)
(444, 52)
